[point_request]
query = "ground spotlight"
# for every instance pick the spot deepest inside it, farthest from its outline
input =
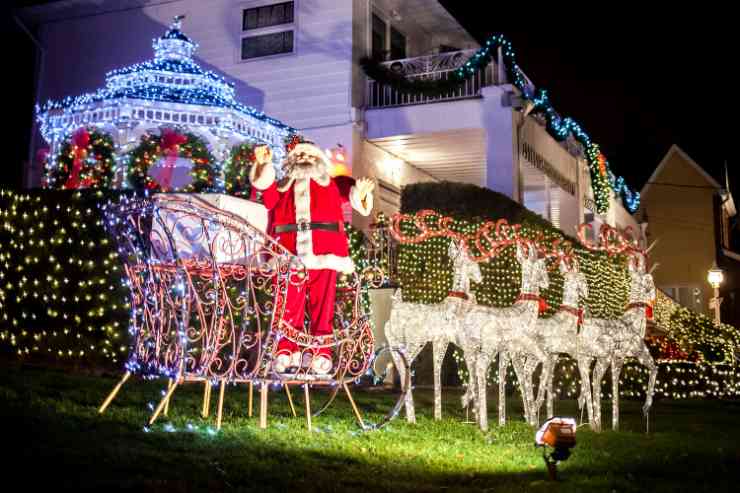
(559, 434)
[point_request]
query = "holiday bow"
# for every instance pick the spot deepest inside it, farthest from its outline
(542, 305)
(170, 143)
(80, 141)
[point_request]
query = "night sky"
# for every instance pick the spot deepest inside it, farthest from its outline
(636, 81)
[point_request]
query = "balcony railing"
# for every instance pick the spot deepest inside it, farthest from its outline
(431, 67)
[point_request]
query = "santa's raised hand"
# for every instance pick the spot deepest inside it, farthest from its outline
(365, 187)
(262, 171)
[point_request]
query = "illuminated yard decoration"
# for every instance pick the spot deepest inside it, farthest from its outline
(482, 332)
(169, 91)
(611, 341)
(212, 311)
(412, 325)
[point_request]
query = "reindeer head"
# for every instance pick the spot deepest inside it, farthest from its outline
(575, 287)
(642, 286)
(464, 266)
(612, 241)
(534, 268)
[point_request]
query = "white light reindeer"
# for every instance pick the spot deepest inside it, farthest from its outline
(558, 334)
(508, 329)
(610, 341)
(412, 325)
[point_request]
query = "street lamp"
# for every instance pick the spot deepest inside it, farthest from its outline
(715, 276)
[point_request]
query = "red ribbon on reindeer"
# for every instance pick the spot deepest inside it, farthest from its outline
(541, 303)
(170, 142)
(80, 141)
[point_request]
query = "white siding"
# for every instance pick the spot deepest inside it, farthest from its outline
(308, 88)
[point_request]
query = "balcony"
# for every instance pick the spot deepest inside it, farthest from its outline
(431, 67)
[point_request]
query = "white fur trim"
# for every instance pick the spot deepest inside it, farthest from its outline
(328, 261)
(304, 239)
(302, 197)
(356, 202)
(265, 179)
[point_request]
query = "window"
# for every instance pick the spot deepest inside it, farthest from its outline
(268, 30)
(688, 296)
(379, 38)
(267, 16)
(398, 44)
(267, 44)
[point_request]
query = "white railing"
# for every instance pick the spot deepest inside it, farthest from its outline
(430, 67)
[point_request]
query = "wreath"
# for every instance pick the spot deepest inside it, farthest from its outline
(170, 145)
(236, 172)
(84, 161)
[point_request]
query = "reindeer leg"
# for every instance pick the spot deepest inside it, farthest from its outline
(481, 367)
(409, 400)
(646, 360)
(524, 389)
(584, 368)
(503, 362)
(551, 362)
(616, 371)
(599, 371)
(540, 357)
(470, 395)
(439, 348)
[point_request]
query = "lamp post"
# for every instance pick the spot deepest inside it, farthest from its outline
(715, 276)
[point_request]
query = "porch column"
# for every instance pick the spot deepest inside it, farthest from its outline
(502, 165)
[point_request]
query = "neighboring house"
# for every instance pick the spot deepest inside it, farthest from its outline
(690, 215)
(297, 61)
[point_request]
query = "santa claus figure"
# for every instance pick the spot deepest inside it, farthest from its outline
(307, 219)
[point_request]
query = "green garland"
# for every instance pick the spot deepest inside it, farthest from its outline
(236, 171)
(602, 179)
(97, 166)
(149, 151)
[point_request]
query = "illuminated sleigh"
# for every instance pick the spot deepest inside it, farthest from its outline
(207, 292)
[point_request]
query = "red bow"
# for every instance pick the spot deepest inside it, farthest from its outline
(80, 141)
(170, 142)
(542, 306)
(649, 312)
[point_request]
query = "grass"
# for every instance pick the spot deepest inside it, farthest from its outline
(56, 438)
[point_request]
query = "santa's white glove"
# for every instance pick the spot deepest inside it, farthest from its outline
(262, 173)
(361, 196)
(365, 187)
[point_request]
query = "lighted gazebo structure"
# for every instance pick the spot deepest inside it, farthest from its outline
(169, 90)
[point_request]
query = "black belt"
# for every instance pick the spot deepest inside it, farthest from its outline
(306, 226)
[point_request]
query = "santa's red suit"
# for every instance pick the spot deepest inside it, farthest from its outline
(307, 220)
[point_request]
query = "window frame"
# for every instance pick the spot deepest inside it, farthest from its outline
(260, 31)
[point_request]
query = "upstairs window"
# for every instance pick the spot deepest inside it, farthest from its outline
(379, 38)
(398, 44)
(268, 29)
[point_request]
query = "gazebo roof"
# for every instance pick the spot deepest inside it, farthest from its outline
(172, 76)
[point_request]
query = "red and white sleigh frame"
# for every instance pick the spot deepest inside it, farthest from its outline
(207, 292)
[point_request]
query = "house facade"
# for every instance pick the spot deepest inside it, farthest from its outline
(689, 213)
(297, 61)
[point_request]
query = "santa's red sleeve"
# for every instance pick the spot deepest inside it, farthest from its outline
(344, 185)
(348, 192)
(264, 188)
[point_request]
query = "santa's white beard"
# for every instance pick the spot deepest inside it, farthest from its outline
(316, 171)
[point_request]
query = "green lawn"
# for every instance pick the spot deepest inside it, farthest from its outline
(57, 438)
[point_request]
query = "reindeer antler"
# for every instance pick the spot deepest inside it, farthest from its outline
(614, 242)
(488, 239)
